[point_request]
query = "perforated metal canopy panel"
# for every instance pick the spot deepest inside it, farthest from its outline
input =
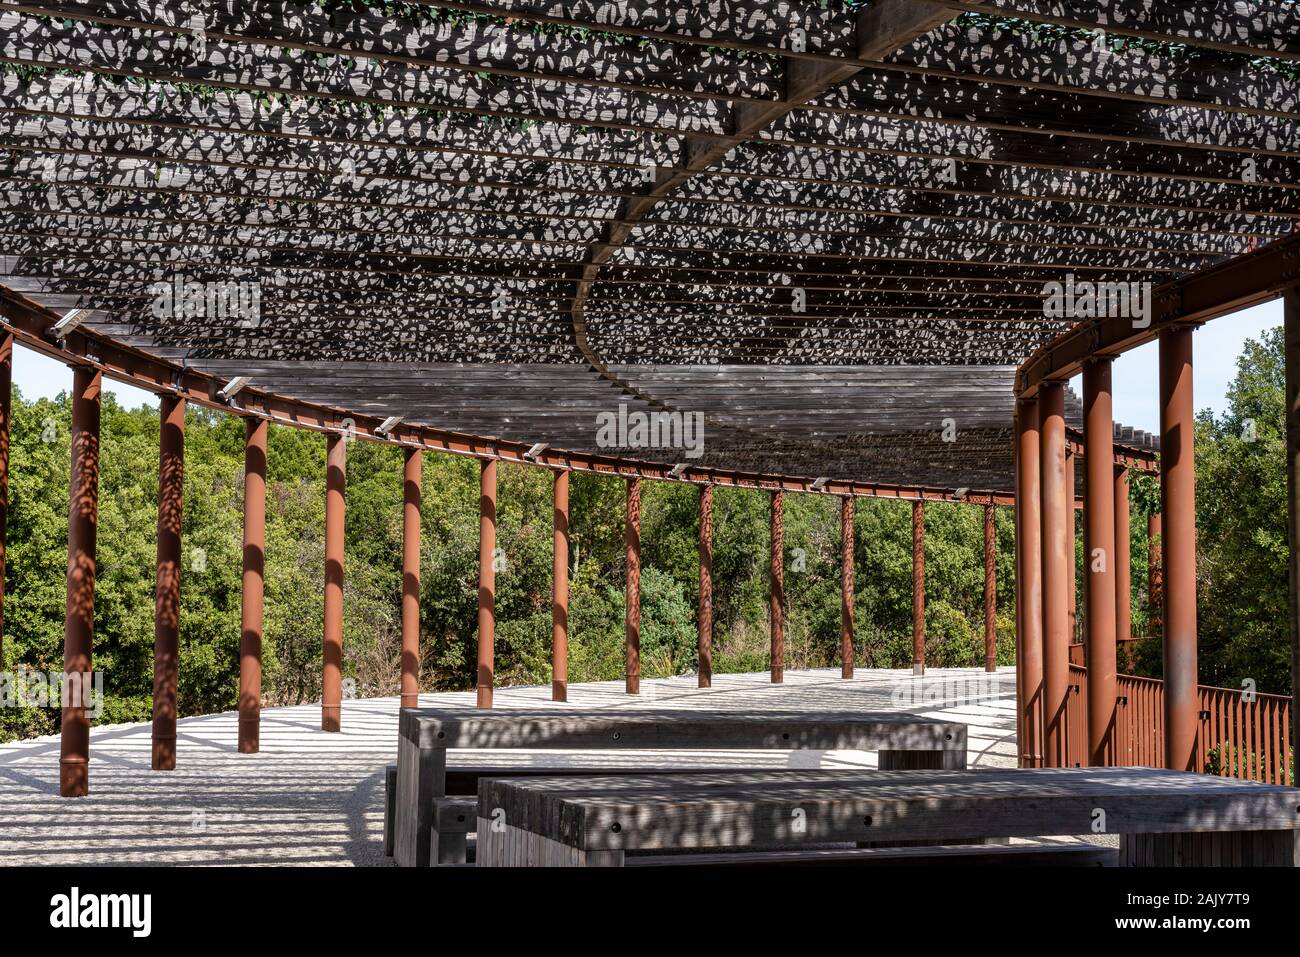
(825, 226)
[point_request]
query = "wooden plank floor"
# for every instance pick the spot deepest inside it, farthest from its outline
(316, 798)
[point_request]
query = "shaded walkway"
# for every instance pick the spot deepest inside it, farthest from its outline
(316, 798)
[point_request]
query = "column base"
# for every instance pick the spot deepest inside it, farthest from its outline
(74, 778)
(164, 754)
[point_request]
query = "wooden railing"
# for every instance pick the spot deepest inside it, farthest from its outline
(1241, 736)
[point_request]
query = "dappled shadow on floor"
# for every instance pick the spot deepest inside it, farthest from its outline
(312, 798)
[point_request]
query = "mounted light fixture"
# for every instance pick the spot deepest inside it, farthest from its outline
(234, 387)
(386, 427)
(678, 470)
(537, 449)
(819, 483)
(71, 320)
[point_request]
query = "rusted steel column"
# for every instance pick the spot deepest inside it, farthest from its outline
(336, 470)
(250, 634)
(776, 591)
(167, 596)
(1178, 503)
(79, 623)
(918, 587)
(1155, 575)
(487, 581)
(990, 588)
(1123, 563)
(1072, 525)
(1099, 557)
(6, 391)
(705, 642)
(1029, 586)
(846, 587)
(1057, 500)
(560, 590)
(412, 493)
(632, 680)
(1291, 335)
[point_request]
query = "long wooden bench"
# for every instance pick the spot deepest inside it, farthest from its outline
(1163, 818)
(426, 735)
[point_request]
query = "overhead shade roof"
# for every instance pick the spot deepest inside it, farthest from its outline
(827, 227)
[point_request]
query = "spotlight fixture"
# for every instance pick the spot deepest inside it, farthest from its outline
(386, 427)
(233, 387)
(678, 470)
(819, 483)
(537, 449)
(71, 320)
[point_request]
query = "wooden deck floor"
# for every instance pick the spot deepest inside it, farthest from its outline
(316, 798)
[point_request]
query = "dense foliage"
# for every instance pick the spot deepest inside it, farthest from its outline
(1242, 562)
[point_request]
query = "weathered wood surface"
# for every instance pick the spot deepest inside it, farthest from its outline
(1031, 854)
(792, 808)
(426, 736)
(677, 728)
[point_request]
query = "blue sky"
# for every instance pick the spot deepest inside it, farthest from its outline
(1136, 396)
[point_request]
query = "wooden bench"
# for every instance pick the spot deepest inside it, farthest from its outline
(426, 735)
(1163, 818)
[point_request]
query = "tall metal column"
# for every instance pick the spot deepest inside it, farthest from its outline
(254, 579)
(167, 596)
(632, 680)
(487, 582)
(1029, 585)
(560, 588)
(1099, 558)
(918, 587)
(336, 467)
(6, 393)
(705, 641)
(79, 623)
(1178, 502)
(412, 493)
(1057, 515)
(1123, 560)
(1291, 333)
(1072, 526)
(776, 590)
(990, 588)
(846, 587)
(1155, 575)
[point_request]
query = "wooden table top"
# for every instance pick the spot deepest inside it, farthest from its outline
(739, 808)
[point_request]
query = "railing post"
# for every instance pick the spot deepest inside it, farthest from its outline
(1099, 557)
(918, 587)
(560, 588)
(487, 582)
(1029, 585)
(250, 632)
(705, 642)
(1178, 503)
(990, 588)
(632, 679)
(1057, 517)
(79, 623)
(167, 597)
(6, 398)
(412, 493)
(336, 467)
(776, 591)
(1123, 560)
(846, 586)
(1291, 326)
